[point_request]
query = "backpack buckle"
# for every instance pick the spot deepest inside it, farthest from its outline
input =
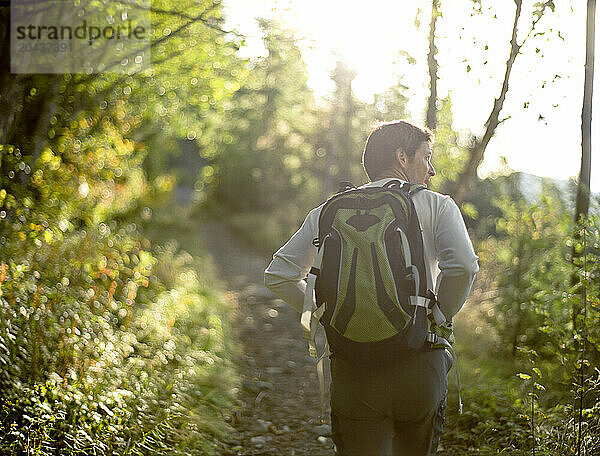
(432, 298)
(436, 314)
(420, 301)
(432, 338)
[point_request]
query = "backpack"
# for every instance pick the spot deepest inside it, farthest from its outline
(372, 282)
(369, 278)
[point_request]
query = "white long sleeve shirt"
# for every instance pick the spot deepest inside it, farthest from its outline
(450, 260)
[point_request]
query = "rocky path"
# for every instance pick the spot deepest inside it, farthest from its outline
(278, 404)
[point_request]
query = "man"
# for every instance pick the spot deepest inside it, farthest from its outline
(396, 409)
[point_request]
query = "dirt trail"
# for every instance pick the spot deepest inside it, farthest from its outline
(279, 400)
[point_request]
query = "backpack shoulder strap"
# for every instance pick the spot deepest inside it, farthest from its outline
(407, 187)
(414, 188)
(345, 185)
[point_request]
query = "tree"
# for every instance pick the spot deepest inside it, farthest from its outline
(263, 155)
(341, 155)
(479, 144)
(431, 118)
(582, 201)
(73, 196)
(583, 187)
(28, 116)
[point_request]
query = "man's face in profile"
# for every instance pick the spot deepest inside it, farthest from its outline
(419, 169)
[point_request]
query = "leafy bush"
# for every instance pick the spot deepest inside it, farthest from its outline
(547, 316)
(103, 348)
(78, 378)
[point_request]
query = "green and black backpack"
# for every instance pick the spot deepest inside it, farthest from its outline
(370, 279)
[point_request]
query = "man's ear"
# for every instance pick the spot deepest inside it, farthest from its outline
(401, 156)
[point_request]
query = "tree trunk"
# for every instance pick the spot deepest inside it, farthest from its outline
(583, 187)
(341, 124)
(582, 203)
(10, 85)
(49, 107)
(431, 120)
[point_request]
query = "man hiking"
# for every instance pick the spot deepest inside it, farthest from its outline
(393, 263)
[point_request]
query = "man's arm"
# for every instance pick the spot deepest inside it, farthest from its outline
(457, 259)
(284, 275)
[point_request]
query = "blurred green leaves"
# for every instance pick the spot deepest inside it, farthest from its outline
(100, 351)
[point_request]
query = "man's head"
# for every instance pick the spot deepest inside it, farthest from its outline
(399, 149)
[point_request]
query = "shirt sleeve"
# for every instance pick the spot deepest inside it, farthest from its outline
(457, 260)
(291, 263)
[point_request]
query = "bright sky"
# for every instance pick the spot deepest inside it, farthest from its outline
(371, 41)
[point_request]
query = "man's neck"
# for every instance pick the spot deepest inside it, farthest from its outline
(392, 173)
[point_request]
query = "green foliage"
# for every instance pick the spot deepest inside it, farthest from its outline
(280, 153)
(267, 231)
(491, 421)
(103, 367)
(264, 154)
(97, 353)
(527, 258)
(449, 152)
(546, 317)
(103, 348)
(194, 74)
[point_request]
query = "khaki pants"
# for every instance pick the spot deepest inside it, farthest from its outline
(397, 410)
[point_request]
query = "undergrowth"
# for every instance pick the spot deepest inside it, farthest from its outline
(139, 366)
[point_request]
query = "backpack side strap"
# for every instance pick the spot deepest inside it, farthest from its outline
(436, 341)
(310, 313)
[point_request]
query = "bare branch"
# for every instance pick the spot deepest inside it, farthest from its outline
(191, 20)
(501, 121)
(181, 15)
(117, 82)
(534, 23)
(477, 151)
(93, 77)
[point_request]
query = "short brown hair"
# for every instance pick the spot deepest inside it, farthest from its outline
(386, 138)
